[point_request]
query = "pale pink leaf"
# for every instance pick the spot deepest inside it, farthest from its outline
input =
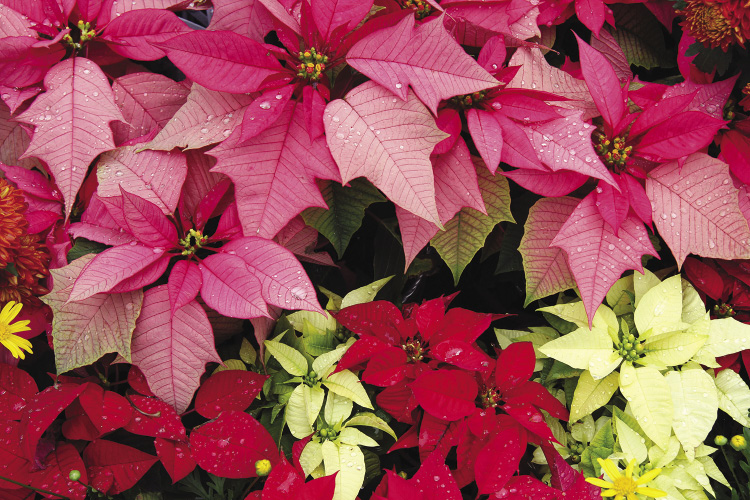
(246, 17)
(221, 60)
(281, 14)
(709, 98)
(597, 257)
(517, 149)
(477, 23)
(373, 134)
(147, 102)
(613, 205)
(274, 173)
(199, 181)
(111, 267)
(602, 82)
(263, 112)
(155, 176)
(144, 277)
(487, 135)
(230, 288)
(536, 73)
(284, 282)
(449, 121)
(15, 97)
(545, 267)
(172, 347)
(71, 122)
(331, 14)
(132, 35)
(147, 222)
(301, 240)
(456, 187)
(184, 283)
(206, 118)
(14, 141)
(424, 56)
(23, 63)
(696, 209)
(565, 144)
(118, 8)
(84, 331)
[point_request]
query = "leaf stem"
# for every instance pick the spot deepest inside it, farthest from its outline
(38, 490)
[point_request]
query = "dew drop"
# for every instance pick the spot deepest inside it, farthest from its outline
(265, 105)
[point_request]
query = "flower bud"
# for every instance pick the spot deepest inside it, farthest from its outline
(738, 442)
(74, 475)
(263, 467)
(720, 440)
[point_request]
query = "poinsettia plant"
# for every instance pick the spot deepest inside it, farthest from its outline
(255, 249)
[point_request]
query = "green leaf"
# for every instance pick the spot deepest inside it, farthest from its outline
(578, 348)
(247, 352)
(696, 404)
(592, 394)
(630, 442)
(509, 259)
(650, 399)
(660, 309)
(602, 446)
(290, 359)
(346, 209)
(640, 36)
(231, 364)
(364, 294)
(546, 267)
(466, 232)
(663, 457)
(734, 396)
(302, 409)
(370, 420)
(560, 370)
(345, 383)
(349, 462)
(82, 247)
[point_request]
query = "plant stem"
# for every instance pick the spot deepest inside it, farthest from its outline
(38, 490)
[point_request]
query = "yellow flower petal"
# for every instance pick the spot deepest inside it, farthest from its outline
(650, 492)
(5, 313)
(19, 326)
(631, 496)
(599, 482)
(629, 469)
(647, 477)
(609, 493)
(609, 468)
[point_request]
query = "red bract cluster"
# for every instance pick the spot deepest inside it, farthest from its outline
(438, 379)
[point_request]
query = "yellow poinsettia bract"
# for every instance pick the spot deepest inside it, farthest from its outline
(625, 487)
(15, 344)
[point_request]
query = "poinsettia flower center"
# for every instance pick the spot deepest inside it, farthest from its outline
(473, 100)
(422, 8)
(414, 348)
(326, 434)
(193, 242)
(629, 348)
(490, 397)
(311, 379)
(77, 38)
(576, 450)
(722, 310)
(613, 152)
(311, 65)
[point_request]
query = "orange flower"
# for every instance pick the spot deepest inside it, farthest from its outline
(12, 221)
(718, 23)
(31, 261)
